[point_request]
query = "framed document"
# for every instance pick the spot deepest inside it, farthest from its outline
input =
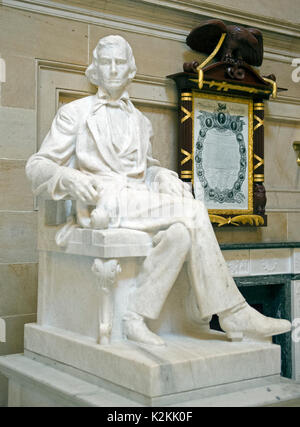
(221, 141)
(223, 153)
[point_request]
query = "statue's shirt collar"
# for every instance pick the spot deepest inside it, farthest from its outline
(102, 98)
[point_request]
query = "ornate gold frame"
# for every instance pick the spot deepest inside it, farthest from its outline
(239, 100)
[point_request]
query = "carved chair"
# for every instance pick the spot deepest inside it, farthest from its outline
(85, 283)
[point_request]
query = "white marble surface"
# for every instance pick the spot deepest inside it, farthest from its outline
(68, 296)
(270, 261)
(37, 383)
(184, 364)
(295, 297)
(2, 330)
(296, 261)
(238, 262)
(255, 262)
(113, 243)
(268, 394)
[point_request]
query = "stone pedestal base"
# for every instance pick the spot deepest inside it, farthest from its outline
(62, 369)
(37, 384)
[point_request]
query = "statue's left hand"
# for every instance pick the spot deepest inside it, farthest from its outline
(172, 185)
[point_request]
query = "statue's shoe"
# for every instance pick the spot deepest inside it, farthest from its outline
(135, 329)
(250, 323)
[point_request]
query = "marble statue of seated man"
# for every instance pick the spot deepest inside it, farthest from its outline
(98, 152)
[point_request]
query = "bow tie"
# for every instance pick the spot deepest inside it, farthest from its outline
(124, 103)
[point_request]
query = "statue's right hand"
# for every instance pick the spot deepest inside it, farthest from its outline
(80, 186)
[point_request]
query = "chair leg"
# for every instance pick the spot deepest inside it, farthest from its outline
(106, 272)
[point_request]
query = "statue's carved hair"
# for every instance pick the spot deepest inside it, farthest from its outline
(92, 71)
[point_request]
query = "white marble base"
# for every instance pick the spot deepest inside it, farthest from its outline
(34, 383)
(153, 373)
(295, 297)
(68, 297)
(254, 262)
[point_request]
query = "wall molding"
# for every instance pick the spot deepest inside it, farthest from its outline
(283, 109)
(89, 16)
(167, 98)
(282, 210)
(254, 259)
(187, 8)
(231, 14)
(283, 190)
(147, 90)
(283, 199)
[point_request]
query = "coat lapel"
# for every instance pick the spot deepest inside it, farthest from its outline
(92, 125)
(98, 126)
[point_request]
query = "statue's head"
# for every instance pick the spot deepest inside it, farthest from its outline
(113, 65)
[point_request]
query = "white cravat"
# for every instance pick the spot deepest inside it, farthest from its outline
(123, 102)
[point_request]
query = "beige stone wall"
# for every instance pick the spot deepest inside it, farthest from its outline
(46, 49)
(283, 10)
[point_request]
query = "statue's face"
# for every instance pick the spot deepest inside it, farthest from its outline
(113, 68)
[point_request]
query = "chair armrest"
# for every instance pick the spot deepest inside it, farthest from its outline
(55, 212)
